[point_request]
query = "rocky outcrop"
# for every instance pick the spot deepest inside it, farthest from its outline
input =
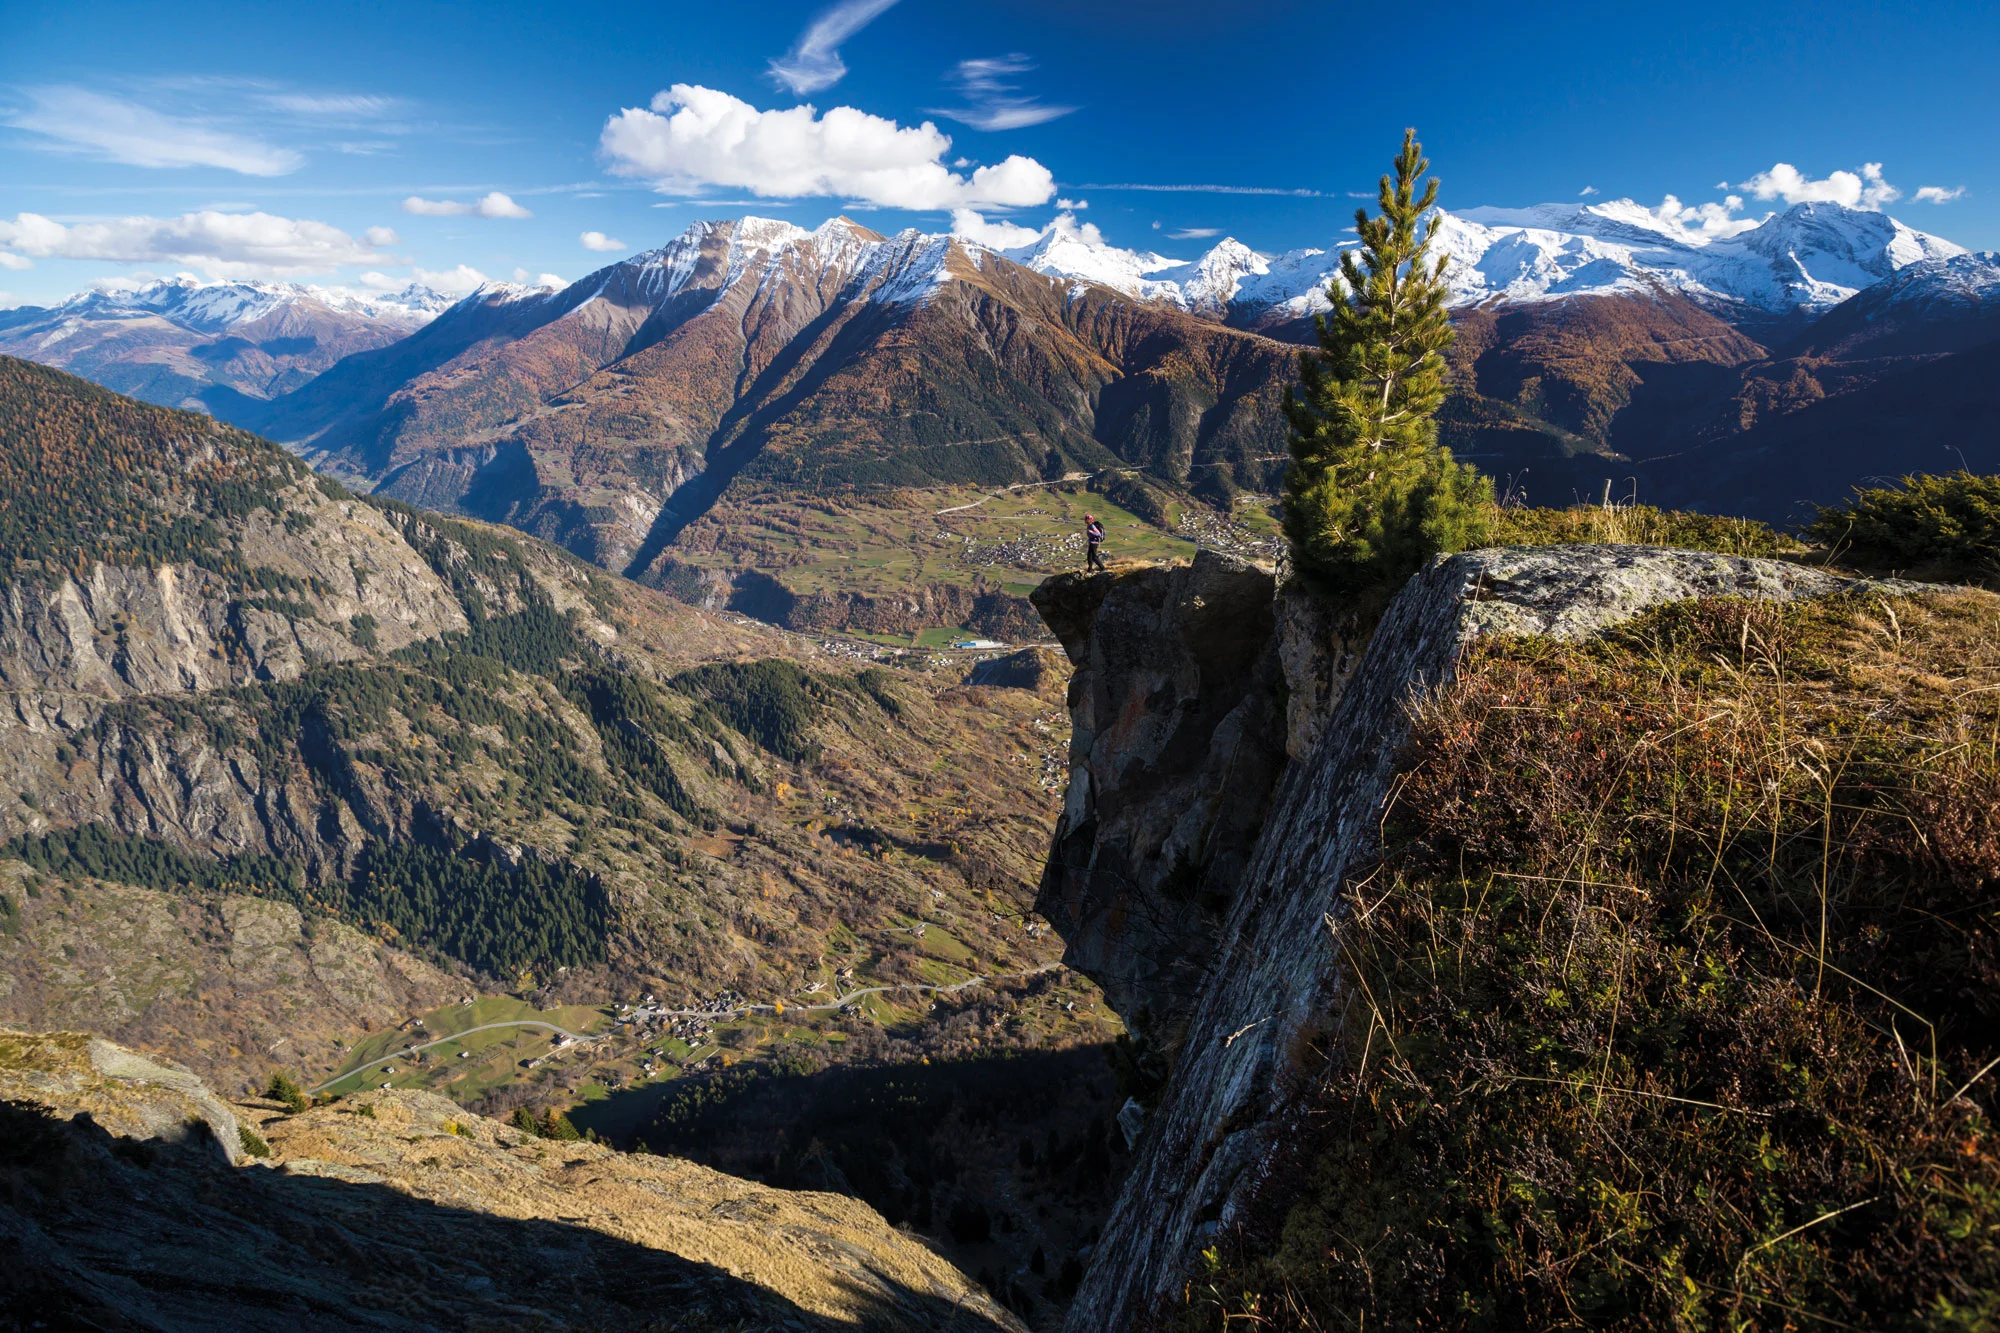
(1177, 736)
(130, 1197)
(1029, 669)
(1159, 654)
(121, 630)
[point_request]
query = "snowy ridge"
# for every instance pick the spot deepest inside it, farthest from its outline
(215, 307)
(1961, 281)
(1809, 257)
(838, 254)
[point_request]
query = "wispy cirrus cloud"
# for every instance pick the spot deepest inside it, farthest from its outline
(992, 101)
(492, 205)
(814, 61)
(72, 119)
(1219, 189)
(1937, 194)
(219, 245)
(1194, 233)
(694, 138)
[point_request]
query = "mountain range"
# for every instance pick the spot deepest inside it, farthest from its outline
(181, 342)
(1598, 343)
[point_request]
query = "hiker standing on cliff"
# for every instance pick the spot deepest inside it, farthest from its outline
(1093, 538)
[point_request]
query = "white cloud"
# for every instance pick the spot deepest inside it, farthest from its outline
(1937, 194)
(597, 240)
(1072, 205)
(1194, 233)
(1586, 191)
(121, 131)
(695, 137)
(994, 235)
(380, 236)
(8, 259)
(220, 245)
(451, 281)
(1785, 181)
(494, 205)
(1704, 222)
(814, 61)
(992, 101)
(335, 106)
(548, 280)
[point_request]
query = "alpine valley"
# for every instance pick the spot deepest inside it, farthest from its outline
(667, 416)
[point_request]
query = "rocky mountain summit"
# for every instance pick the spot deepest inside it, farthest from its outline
(136, 1198)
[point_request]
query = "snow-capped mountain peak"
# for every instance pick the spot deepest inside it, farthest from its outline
(216, 307)
(1808, 257)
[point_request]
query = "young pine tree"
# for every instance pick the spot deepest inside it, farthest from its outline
(1371, 495)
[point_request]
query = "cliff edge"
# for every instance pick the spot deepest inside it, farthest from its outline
(1229, 767)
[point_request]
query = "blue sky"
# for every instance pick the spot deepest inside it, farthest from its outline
(369, 144)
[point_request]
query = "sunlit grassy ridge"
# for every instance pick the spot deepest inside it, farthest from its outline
(1674, 994)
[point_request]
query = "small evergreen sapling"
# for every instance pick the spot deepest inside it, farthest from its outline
(1371, 495)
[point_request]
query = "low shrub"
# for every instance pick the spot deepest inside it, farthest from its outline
(1945, 526)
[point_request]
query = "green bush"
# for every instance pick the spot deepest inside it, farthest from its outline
(252, 1143)
(524, 1120)
(1949, 525)
(283, 1089)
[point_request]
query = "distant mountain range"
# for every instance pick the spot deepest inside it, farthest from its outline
(1804, 260)
(1598, 342)
(177, 342)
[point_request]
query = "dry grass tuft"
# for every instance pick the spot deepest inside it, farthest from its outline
(1677, 994)
(1623, 524)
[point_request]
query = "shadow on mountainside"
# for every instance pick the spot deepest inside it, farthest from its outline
(105, 1232)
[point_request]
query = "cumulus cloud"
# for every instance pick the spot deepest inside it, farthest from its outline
(451, 281)
(597, 240)
(1785, 181)
(814, 61)
(1937, 194)
(8, 259)
(380, 236)
(1586, 191)
(1194, 233)
(549, 280)
(116, 130)
(1072, 205)
(992, 101)
(994, 235)
(1704, 222)
(494, 205)
(219, 245)
(694, 137)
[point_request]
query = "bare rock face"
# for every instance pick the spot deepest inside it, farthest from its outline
(131, 1197)
(1182, 675)
(120, 630)
(1178, 736)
